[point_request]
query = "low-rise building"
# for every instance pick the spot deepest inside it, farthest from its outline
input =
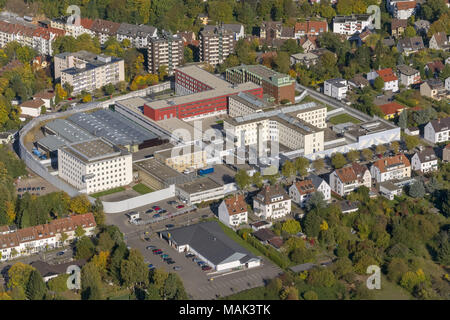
(437, 131)
(446, 153)
(439, 41)
(410, 45)
(412, 131)
(434, 89)
(209, 243)
(422, 26)
(31, 108)
(22, 242)
(408, 75)
(301, 191)
(183, 158)
(310, 28)
(390, 168)
(200, 190)
(349, 25)
(404, 9)
(272, 202)
(46, 96)
(398, 27)
(425, 160)
(233, 211)
(389, 190)
(434, 68)
(358, 81)
(336, 88)
(388, 76)
(308, 59)
(391, 110)
(94, 165)
(345, 180)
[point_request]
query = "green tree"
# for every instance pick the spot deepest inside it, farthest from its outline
(312, 223)
(90, 282)
(257, 179)
(316, 201)
(291, 226)
(310, 295)
(318, 164)
(79, 231)
(416, 190)
(353, 155)
(84, 248)
(188, 55)
(380, 149)
(378, 83)
(36, 288)
(58, 284)
(338, 160)
(395, 269)
(411, 142)
(301, 165)
(367, 154)
(288, 169)
(410, 32)
(395, 146)
(282, 62)
(19, 275)
(242, 179)
(133, 270)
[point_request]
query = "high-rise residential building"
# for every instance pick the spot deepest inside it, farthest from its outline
(216, 44)
(278, 85)
(165, 50)
(87, 71)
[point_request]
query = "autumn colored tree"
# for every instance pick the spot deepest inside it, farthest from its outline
(19, 275)
(80, 204)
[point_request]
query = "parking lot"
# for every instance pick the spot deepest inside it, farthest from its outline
(34, 186)
(199, 284)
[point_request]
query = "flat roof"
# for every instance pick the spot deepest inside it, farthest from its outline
(224, 89)
(52, 143)
(113, 126)
(199, 185)
(68, 130)
(204, 76)
(173, 124)
(252, 101)
(158, 169)
(93, 150)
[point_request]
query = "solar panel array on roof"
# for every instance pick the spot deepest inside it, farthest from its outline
(112, 126)
(68, 131)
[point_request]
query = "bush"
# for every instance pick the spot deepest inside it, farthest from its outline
(310, 295)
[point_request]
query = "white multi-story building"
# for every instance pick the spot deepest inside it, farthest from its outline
(138, 35)
(94, 165)
(233, 211)
(408, 75)
(425, 160)
(244, 103)
(391, 168)
(437, 130)
(73, 28)
(388, 76)
(403, 9)
(85, 71)
(199, 190)
(272, 202)
(336, 88)
(23, 242)
(301, 191)
(349, 25)
(345, 180)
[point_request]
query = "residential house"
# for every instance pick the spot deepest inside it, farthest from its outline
(345, 180)
(389, 42)
(388, 76)
(310, 28)
(31, 108)
(138, 35)
(447, 84)
(410, 45)
(398, 27)
(47, 96)
(104, 29)
(391, 110)
(335, 88)
(439, 41)
(349, 25)
(236, 29)
(308, 43)
(404, 9)
(412, 131)
(433, 88)
(349, 206)
(434, 68)
(421, 27)
(308, 59)
(389, 190)
(272, 202)
(408, 75)
(267, 236)
(233, 211)
(390, 168)
(358, 81)
(437, 130)
(425, 160)
(50, 271)
(301, 191)
(258, 225)
(321, 186)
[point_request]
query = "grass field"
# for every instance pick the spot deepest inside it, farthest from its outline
(390, 291)
(342, 118)
(142, 188)
(106, 192)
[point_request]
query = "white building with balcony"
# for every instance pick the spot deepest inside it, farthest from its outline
(272, 202)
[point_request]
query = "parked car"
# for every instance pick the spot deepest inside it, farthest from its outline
(201, 263)
(162, 211)
(206, 268)
(156, 208)
(180, 206)
(169, 226)
(149, 211)
(172, 202)
(170, 261)
(164, 256)
(157, 215)
(196, 260)
(204, 216)
(190, 255)
(60, 253)
(177, 268)
(149, 247)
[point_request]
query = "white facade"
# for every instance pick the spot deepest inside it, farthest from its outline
(435, 132)
(231, 219)
(97, 173)
(336, 88)
(391, 168)
(272, 204)
(345, 180)
(427, 165)
(349, 25)
(447, 84)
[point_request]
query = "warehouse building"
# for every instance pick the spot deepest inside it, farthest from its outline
(209, 243)
(200, 190)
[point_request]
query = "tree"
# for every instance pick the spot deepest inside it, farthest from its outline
(395, 146)
(416, 190)
(312, 223)
(101, 261)
(58, 284)
(109, 89)
(90, 282)
(80, 204)
(158, 277)
(367, 154)
(310, 295)
(315, 201)
(242, 179)
(257, 179)
(320, 277)
(378, 83)
(411, 142)
(353, 155)
(291, 226)
(395, 269)
(410, 32)
(282, 62)
(64, 237)
(36, 288)
(380, 149)
(84, 248)
(19, 275)
(288, 169)
(87, 98)
(79, 231)
(99, 214)
(134, 270)
(318, 164)
(162, 72)
(301, 165)
(338, 160)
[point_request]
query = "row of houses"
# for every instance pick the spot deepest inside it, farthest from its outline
(21, 242)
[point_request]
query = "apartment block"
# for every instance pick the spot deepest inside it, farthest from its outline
(138, 35)
(272, 202)
(15, 243)
(425, 160)
(277, 85)
(73, 28)
(216, 45)
(345, 180)
(336, 88)
(165, 50)
(236, 28)
(233, 211)
(349, 25)
(391, 168)
(94, 165)
(408, 75)
(104, 29)
(87, 71)
(437, 131)
(310, 28)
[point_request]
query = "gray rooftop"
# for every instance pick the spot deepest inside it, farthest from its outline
(406, 70)
(199, 185)
(68, 131)
(100, 60)
(93, 150)
(112, 126)
(233, 27)
(208, 239)
(158, 170)
(52, 143)
(133, 30)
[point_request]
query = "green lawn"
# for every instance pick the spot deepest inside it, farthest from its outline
(106, 192)
(342, 118)
(142, 188)
(390, 291)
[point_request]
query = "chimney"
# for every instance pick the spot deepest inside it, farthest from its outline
(385, 162)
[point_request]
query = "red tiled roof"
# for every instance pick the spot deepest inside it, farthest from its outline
(305, 187)
(406, 5)
(346, 174)
(44, 95)
(391, 108)
(35, 104)
(387, 75)
(307, 26)
(391, 161)
(236, 205)
(86, 23)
